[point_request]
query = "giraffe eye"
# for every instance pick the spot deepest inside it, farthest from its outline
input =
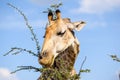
(61, 33)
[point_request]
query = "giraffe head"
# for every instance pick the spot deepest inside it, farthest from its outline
(58, 37)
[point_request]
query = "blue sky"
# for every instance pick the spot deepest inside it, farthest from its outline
(100, 36)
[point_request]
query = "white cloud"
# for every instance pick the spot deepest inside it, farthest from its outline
(5, 75)
(97, 6)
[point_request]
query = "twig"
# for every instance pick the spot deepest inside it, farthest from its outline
(27, 68)
(28, 25)
(16, 50)
(53, 8)
(82, 66)
(115, 58)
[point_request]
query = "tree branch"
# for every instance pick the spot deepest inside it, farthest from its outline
(115, 58)
(81, 70)
(27, 68)
(16, 50)
(29, 26)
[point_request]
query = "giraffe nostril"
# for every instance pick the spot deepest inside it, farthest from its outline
(44, 54)
(40, 57)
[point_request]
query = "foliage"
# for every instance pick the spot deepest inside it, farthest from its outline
(54, 74)
(52, 9)
(46, 73)
(61, 74)
(115, 58)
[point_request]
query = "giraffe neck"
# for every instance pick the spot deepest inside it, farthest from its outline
(66, 59)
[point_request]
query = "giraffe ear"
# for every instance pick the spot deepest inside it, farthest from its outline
(79, 25)
(67, 20)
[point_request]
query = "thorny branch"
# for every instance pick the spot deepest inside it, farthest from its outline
(81, 70)
(52, 9)
(115, 58)
(27, 68)
(16, 50)
(29, 26)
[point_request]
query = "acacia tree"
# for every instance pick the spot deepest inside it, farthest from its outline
(46, 73)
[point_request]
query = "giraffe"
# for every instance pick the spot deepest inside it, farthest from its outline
(60, 43)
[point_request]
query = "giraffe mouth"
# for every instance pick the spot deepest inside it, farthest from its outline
(47, 61)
